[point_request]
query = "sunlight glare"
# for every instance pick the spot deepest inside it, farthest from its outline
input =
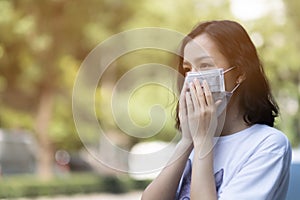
(254, 9)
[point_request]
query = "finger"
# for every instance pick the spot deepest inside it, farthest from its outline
(194, 97)
(183, 91)
(185, 88)
(218, 104)
(200, 94)
(189, 103)
(207, 93)
(182, 105)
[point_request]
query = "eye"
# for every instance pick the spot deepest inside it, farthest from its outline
(206, 65)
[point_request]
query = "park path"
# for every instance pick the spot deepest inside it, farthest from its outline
(136, 195)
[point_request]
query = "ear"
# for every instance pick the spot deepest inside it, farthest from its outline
(241, 78)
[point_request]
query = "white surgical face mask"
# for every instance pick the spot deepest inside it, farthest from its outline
(215, 80)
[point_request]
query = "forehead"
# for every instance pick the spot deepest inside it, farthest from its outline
(201, 46)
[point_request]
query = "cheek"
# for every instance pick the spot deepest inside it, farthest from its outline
(229, 83)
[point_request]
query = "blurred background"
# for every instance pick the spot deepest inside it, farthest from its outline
(42, 45)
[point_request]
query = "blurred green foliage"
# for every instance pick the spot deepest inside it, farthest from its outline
(42, 44)
(71, 184)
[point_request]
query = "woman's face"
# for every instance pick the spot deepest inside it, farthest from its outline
(202, 54)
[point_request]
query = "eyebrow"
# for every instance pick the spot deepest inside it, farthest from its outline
(197, 59)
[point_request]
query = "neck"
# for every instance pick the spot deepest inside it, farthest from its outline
(234, 121)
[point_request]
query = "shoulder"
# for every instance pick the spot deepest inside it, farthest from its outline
(272, 140)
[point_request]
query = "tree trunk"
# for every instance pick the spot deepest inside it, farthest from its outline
(43, 118)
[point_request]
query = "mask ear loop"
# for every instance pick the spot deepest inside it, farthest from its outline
(235, 88)
(229, 69)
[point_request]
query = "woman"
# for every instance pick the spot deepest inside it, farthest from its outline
(235, 153)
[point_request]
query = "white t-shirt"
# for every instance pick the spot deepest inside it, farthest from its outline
(251, 164)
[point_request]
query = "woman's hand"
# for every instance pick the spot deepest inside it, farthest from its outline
(201, 113)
